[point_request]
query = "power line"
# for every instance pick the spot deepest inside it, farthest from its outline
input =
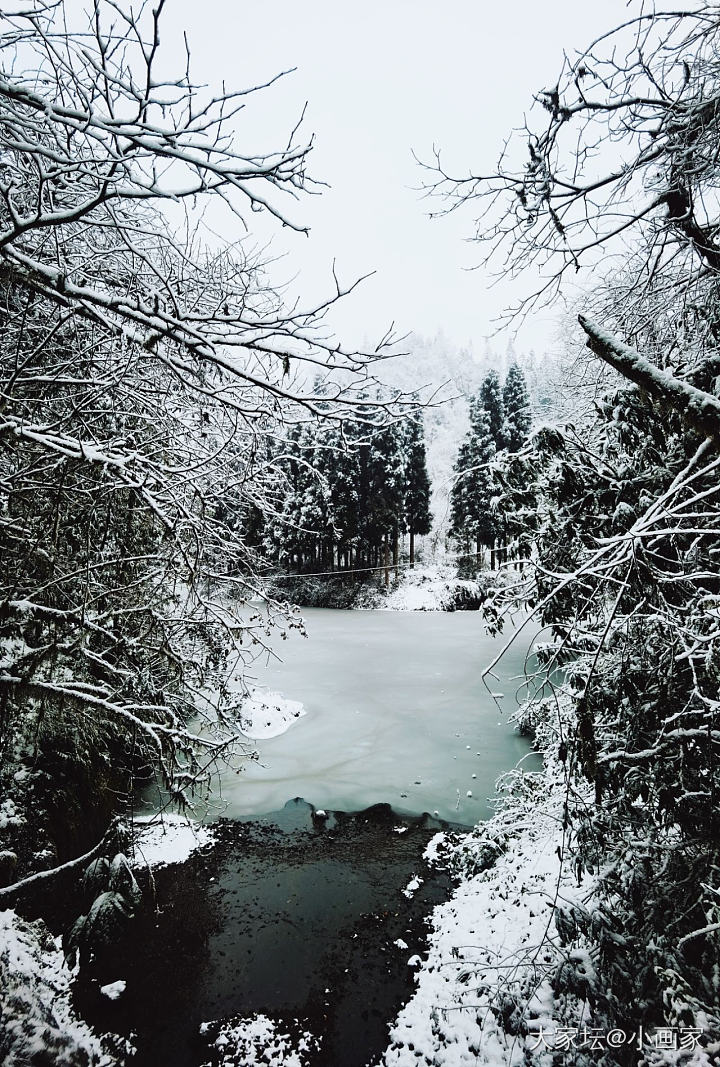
(357, 570)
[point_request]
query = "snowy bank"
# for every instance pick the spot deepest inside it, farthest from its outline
(37, 1021)
(509, 978)
(426, 587)
(168, 838)
(488, 955)
(432, 588)
(265, 714)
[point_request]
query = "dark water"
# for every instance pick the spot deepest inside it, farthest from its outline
(279, 917)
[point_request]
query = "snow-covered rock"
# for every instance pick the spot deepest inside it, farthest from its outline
(412, 887)
(113, 990)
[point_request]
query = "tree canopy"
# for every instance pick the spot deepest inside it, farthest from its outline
(151, 385)
(620, 186)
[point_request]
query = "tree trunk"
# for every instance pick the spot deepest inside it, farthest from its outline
(396, 552)
(386, 547)
(412, 547)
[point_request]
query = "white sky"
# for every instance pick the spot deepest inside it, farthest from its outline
(381, 79)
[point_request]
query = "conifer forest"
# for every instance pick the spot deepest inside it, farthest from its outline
(359, 688)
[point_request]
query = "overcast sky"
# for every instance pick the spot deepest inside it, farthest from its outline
(382, 79)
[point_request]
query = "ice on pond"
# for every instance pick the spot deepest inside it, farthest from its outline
(391, 700)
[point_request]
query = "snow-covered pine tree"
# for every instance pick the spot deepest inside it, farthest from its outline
(301, 535)
(343, 498)
(458, 502)
(418, 518)
(473, 520)
(491, 398)
(283, 536)
(518, 416)
(338, 464)
(386, 491)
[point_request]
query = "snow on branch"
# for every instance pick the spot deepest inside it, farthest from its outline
(700, 409)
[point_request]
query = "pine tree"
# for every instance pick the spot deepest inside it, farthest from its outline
(339, 463)
(490, 398)
(517, 409)
(417, 484)
(472, 514)
(458, 495)
(386, 466)
(342, 500)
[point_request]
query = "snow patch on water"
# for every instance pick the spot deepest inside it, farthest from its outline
(168, 839)
(258, 1041)
(267, 714)
(113, 990)
(412, 887)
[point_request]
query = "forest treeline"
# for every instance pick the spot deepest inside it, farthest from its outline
(342, 500)
(343, 497)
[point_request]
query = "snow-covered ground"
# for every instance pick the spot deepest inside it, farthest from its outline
(168, 838)
(430, 587)
(37, 1021)
(501, 984)
(487, 951)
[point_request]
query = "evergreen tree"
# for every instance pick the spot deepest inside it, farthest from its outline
(473, 517)
(339, 464)
(285, 538)
(386, 466)
(517, 409)
(314, 510)
(490, 398)
(417, 484)
(342, 500)
(458, 495)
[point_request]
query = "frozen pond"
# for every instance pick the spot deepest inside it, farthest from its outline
(397, 712)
